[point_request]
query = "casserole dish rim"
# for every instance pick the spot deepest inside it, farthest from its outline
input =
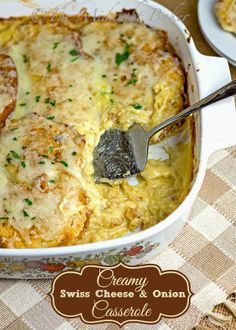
(196, 58)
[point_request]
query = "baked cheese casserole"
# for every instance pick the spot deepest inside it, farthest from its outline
(78, 77)
(226, 14)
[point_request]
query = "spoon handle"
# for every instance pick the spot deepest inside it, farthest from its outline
(221, 94)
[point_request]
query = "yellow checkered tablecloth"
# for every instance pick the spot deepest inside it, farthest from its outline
(205, 251)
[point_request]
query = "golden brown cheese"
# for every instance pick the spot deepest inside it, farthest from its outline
(44, 192)
(226, 13)
(90, 76)
(8, 87)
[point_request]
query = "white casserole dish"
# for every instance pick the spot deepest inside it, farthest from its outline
(215, 129)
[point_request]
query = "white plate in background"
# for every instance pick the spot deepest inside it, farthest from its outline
(223, 42)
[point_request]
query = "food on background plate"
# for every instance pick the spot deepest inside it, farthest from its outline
(226, 14)
(78, 78)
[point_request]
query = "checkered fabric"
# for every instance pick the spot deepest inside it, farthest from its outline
(204, 251)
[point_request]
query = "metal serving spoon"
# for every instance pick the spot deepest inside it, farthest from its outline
(122, 154)
(8, 87)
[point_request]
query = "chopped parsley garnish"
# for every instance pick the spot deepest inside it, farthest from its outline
(55, 45)
(49, 67)
(70, 100)
(42, 162)
(8, 159)
(23, 164)
(137, 106)
(73, 52)
(14, 154)
(63, 163)
(74, 153)
(104, 76)
(70, 85)
(37, 98)
(23, 147)
(74, 59)
(51, 117)
(28, 201)
(27, 93)
(51, 102)
(25, 59)
(124, 56)
(14, 139)
(51, 181)
(4, 218)
(51, 148)
(45, 156)
(22, 104)
(132, 82)
(25, 213)
(33, 218)
(134, 78)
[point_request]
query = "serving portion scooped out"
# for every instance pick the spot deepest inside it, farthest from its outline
(121, 154)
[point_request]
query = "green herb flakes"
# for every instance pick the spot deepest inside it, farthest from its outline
(51, 102)
(28, 201)
(137, 106)
(73, 52)
(55, 45)
(74, 59)
(134, 78)
(63, 163)
(49, 67)
(124, 56)
(25, 213)
(37, 98)
(23, 164)
(14, 154)
(25, 58)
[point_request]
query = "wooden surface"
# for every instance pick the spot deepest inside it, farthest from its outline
(187, 11)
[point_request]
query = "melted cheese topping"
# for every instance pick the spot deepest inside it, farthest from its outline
(226, 14)
(77, 79)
